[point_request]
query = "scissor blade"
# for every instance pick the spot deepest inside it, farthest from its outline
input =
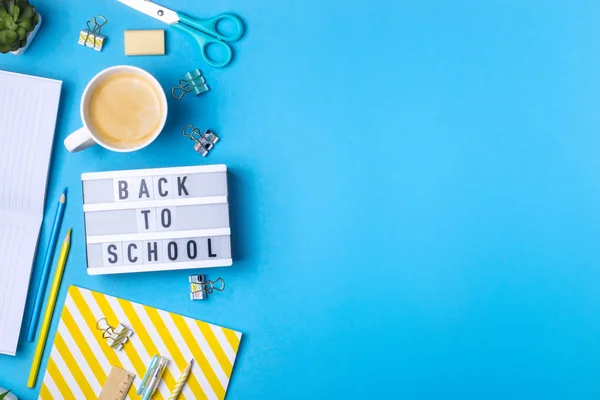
(154, 10)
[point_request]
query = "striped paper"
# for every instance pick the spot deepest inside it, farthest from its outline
(80, 359)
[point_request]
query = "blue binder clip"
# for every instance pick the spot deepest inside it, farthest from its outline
(193, 82)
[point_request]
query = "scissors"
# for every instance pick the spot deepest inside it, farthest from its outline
(204, 31)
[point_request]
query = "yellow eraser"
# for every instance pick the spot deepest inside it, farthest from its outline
(145, 43)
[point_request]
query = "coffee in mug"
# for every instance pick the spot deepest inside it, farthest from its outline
(123, 109)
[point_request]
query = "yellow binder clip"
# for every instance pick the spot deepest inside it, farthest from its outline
(92, 37)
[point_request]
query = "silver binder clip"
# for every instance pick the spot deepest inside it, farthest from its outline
(204, 142)
(200, 288)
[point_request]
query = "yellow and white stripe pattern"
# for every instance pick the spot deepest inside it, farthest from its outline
(91, 40)
(80, 360)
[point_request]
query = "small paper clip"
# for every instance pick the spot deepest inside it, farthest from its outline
(92, 37)
(194, 81)
(204, 142)
(115, 337)
(200, 288)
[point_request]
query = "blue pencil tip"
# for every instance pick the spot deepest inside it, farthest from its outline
(66, 189)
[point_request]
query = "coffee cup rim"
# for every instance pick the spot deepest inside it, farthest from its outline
(138, 70)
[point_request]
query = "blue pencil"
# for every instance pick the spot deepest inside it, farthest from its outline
(39, 297)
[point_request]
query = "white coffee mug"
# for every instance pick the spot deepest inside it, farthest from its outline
(85, 136)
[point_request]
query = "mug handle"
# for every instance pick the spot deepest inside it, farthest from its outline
(79, 140)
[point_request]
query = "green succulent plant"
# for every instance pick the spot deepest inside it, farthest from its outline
(17, 18)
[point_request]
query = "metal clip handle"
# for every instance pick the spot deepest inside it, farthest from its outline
(183, 87)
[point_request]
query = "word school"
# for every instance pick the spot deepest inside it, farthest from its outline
(147, 252)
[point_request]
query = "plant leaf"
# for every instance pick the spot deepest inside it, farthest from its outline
(9, 5)
(11, 37)
(16, 12)
(27, 25)
(3, 395)
(26, 13)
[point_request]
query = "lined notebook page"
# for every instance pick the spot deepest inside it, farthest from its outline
(28, 111)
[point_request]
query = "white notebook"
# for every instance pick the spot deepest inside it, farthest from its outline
(28, 111)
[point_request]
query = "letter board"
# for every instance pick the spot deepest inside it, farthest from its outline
(156, 219)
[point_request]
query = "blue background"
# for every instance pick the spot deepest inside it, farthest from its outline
(414, 192)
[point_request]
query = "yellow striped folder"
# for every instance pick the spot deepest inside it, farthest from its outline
(81, 360)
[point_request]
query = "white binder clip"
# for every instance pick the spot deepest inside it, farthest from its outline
(115, 337)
